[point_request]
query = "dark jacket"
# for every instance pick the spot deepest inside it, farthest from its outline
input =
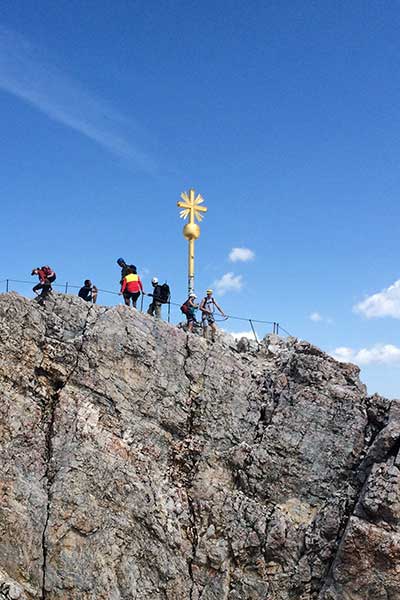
(156, 293)
(86, 293)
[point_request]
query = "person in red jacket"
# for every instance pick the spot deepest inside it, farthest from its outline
(131, 287)
(46, 277)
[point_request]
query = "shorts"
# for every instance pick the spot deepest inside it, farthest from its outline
(207, 320)
(132, 295)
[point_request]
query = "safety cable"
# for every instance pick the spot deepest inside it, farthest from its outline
(277, 326)
(285, 331)
(238, 318)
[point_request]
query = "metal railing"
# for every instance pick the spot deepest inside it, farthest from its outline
(276, 327)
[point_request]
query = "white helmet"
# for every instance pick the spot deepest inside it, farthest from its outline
(192, 295)
(154, 280)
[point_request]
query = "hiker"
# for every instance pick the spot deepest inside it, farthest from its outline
(161, 295)
(207, 307)
(124, 268)
(88, 292)
(131, 287)
(189, 309)
(46, 277)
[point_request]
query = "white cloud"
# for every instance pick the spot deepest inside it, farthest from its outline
(343, 354)
(241, 255)
(241, 334)
(382, 304)
(382, 354)
(228, 283)
(315, 316)
(25, 73)
(318, 318)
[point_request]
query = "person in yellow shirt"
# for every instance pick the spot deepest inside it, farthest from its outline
(131, 287)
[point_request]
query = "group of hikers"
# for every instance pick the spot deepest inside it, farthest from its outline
(132, 288)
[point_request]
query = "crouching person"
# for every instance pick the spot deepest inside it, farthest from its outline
(88, 292)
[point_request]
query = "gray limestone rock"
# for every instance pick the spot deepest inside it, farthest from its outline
(141, 462)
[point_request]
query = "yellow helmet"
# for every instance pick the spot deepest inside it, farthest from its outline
(209, 291)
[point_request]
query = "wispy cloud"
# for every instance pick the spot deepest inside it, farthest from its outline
(27, 74)
(241, 255)
(382, 354)
(382, 304)
(316, 317)
(228, 283)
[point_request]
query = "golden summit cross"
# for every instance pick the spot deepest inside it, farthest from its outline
(191, 207)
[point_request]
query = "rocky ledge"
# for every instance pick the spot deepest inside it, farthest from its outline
(139, 462)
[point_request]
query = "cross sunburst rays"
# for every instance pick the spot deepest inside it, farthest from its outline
(191, 206)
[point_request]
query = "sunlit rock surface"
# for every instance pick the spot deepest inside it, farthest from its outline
(138, 462)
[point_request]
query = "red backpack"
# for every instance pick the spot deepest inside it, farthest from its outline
(185, 308)
(48, 271)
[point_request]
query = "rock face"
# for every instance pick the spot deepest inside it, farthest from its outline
(139, 462)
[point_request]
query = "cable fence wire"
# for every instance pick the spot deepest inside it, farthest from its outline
(66, 287)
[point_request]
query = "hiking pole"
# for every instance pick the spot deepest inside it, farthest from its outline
(141, 303)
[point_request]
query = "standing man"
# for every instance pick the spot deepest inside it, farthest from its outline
(124, 268)
(207, 307)
(155, 306)
(88, 292)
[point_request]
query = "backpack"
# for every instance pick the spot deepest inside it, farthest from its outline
(164, 293)
(205, 299)
(50, 274)
(185, 308)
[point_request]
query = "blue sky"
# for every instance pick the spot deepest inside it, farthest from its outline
(284, 116)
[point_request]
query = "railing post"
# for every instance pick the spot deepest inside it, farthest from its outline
(253, 330)
(169, 311)
(66, 287)
(141, 303)
(277, 329)
(6, 285)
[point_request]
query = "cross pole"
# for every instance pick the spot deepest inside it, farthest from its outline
(191, 207)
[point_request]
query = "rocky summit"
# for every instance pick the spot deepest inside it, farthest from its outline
(140, 462)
